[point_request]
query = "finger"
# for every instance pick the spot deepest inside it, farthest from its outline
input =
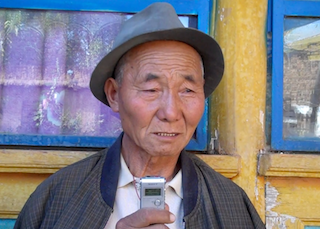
(154, 226)
(156, 216)
(146, 217)
(158, 226)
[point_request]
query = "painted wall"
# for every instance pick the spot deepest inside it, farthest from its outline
(285, 188)
(238, 105)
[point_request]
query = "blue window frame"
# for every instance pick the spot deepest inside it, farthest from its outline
(7, 223)
(198, 8)
(291, 18)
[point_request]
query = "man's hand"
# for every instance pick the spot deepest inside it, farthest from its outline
(147, 218)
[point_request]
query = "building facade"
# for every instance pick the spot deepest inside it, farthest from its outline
(261, 127)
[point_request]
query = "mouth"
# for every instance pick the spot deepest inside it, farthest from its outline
(166, 134)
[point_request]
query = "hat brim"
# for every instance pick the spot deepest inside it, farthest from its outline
(204, 44)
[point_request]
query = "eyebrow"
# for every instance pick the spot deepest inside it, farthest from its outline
(189, 78)
(151, 77)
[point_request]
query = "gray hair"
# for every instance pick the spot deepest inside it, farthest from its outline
(119, 69)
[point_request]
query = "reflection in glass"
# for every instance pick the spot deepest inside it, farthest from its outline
(301, 77)
(46, 60)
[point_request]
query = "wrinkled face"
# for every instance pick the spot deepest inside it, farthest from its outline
(161, 97)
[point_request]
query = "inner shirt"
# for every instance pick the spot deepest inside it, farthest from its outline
(127, 199)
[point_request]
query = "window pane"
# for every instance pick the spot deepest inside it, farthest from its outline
(46, 60)
(301, 77)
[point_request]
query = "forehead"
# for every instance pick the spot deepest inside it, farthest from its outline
(166, 46)
(164, 55)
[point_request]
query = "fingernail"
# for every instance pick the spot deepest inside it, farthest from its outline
(172, 218)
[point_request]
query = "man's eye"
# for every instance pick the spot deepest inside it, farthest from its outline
(150, 90)
(188, 90)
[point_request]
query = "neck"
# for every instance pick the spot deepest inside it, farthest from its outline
(142, 164)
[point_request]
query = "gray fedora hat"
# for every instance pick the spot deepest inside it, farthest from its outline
(159, 21)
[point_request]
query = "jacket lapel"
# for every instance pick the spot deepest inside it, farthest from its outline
(92, 204)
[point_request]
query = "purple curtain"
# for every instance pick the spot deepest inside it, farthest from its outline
(22, 71)
(46, 63)
(2, 38)
(54, 65)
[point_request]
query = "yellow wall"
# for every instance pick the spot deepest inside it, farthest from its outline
(238, 105)
(292, 188)
(237, 112)
(285, 188)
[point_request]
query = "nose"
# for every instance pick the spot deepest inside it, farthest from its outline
(170, 109)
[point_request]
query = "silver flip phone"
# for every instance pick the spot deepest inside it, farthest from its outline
(152, 192)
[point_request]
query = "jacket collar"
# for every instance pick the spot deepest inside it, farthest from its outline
(111, 171)
(189, 183)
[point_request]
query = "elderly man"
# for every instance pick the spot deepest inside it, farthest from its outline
(157, 77)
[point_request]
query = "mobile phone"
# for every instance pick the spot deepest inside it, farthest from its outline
(152, 192)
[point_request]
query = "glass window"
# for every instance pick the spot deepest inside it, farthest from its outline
(301, 77)
(48, 57)
(295, 113)
(46, 60)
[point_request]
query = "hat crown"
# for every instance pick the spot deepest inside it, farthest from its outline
(156, 17)
(157, 22)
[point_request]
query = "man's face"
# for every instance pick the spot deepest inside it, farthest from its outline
(161, 98)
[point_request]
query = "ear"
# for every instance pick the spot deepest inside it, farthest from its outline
(111, 89)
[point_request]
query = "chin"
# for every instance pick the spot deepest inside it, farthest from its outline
(166, 152)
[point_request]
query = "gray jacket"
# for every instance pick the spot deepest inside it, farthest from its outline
(82, 196)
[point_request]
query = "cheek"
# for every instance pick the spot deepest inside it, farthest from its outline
(135, 112)
(195, 112)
